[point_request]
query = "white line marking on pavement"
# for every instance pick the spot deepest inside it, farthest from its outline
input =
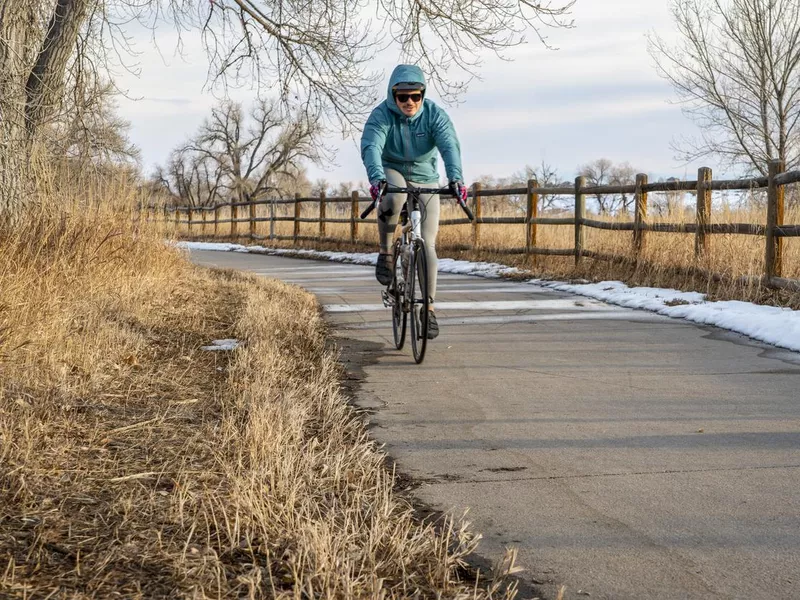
(441, 291)
(628, 316)
(559, 304)
(305, 280)
(519, 289)
(315, 272)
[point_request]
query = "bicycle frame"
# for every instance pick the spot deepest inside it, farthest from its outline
(412, 210)
(411, 229)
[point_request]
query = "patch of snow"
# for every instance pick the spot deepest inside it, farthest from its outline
(218, 345)
(770, 324)
(211, 246)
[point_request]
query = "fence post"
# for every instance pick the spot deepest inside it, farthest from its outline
(322, 223)
(234, 218)
(477, 211)
(580, 215)
(272, 218)
(296, 233)
(704, 176)
(252, 208)
(533, 212)
(216, 219)
(177, 218)
(354, 216)
(205, 219)
(639, 234)
(189, 222)
(773, 264)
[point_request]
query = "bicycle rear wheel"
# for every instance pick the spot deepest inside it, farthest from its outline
(417, 293)
(399, 316)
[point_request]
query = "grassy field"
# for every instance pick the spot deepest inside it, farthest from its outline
(133, 463)
(667, 260)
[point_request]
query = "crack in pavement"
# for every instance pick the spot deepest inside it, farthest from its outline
(443, 479)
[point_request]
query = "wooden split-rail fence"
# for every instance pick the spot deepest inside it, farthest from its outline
(775, 231)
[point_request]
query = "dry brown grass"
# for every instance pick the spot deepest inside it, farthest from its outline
(135, 464)
(667, 261)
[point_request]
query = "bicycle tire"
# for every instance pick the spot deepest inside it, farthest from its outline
(399, 316)
(419, 300)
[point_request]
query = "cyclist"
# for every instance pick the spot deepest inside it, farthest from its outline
(398, 146)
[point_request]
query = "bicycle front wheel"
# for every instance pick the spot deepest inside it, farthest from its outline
(419, 300)
(399, 316)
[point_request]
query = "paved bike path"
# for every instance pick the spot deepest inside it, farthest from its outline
(624, 454)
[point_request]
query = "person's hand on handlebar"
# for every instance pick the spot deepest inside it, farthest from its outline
(459, 190)
(376, 189)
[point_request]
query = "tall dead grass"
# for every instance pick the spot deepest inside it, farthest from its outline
(134, 463)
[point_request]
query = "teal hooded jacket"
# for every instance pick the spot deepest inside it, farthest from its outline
(409, 145)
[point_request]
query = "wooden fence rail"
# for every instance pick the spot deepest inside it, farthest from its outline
(774, 232)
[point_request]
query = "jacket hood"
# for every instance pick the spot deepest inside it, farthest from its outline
(404, 73)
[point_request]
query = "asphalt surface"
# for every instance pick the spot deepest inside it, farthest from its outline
(624, 454)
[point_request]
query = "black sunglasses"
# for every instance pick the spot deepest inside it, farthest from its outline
(404, 97)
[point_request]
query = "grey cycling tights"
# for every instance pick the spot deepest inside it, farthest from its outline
(389, 212)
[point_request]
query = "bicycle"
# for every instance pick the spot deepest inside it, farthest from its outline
(407, 293)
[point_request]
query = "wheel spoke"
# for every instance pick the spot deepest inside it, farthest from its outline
(418, 290)
(399, 316)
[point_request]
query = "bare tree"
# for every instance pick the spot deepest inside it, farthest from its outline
(602, 172)
(451, 33)
(671, 203)
(344, 189)
(547, 176)
(597, 173)
(191, 177)
(319, 186)
(736, 71)
(87, 131)
(241, 160)
(622, 174)
(499, 203)
(292, 181)
(315, 51)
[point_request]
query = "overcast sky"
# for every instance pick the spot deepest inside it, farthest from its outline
(597, 96)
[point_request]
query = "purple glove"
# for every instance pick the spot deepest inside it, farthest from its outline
(376, 188)
(459, 190)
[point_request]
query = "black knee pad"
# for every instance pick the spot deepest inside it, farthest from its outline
(385, 215)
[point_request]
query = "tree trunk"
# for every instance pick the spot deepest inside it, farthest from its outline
(33, 63)
(46, 80)
(17, 35)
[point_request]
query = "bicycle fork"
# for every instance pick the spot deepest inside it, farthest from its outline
(411, 231)
(401, 276)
